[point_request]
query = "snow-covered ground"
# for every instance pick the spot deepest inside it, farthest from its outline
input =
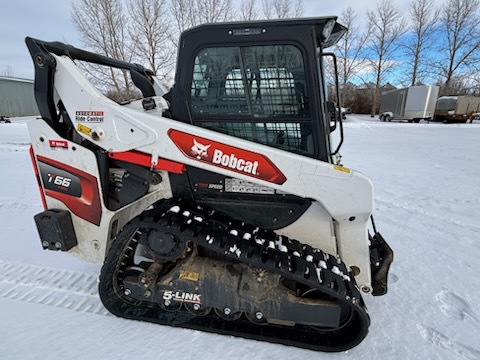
(427, 183)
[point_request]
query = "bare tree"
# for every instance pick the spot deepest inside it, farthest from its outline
(349, 50)
(102, 28)
(150, 35)
(461, 23)
(456, 86)
(7, 71)
(387, 26)
(184, 16)
(190, 13)
(248, 10)
(424, 21)
(210, 11)
(282, 9)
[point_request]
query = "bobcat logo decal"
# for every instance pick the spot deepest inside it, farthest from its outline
(227, 158)
(199, 150)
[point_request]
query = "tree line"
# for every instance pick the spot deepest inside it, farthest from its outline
(147, 31)
(430, 44)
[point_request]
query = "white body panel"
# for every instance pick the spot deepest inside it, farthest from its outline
(92, 239)
(343, 197)
(315, 228)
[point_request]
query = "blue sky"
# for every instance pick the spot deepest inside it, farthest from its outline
(51, 20)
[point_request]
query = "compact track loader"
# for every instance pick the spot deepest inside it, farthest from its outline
(219, 205)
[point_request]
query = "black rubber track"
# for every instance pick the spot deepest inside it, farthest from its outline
(111, 293)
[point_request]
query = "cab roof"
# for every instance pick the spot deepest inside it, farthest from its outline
(223, 32)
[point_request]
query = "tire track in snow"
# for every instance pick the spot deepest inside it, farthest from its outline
(426, 213)
(41, 285)
(14, 147)
(436, 338)
(453, 306)
(18, 203)
(456, 308)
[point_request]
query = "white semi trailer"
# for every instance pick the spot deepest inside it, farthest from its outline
(413, 104)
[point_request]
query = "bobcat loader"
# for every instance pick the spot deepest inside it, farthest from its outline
(219, 205)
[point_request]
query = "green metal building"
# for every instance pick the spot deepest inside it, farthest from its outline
(17, 97)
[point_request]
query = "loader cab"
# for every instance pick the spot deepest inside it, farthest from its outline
(261, 81)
